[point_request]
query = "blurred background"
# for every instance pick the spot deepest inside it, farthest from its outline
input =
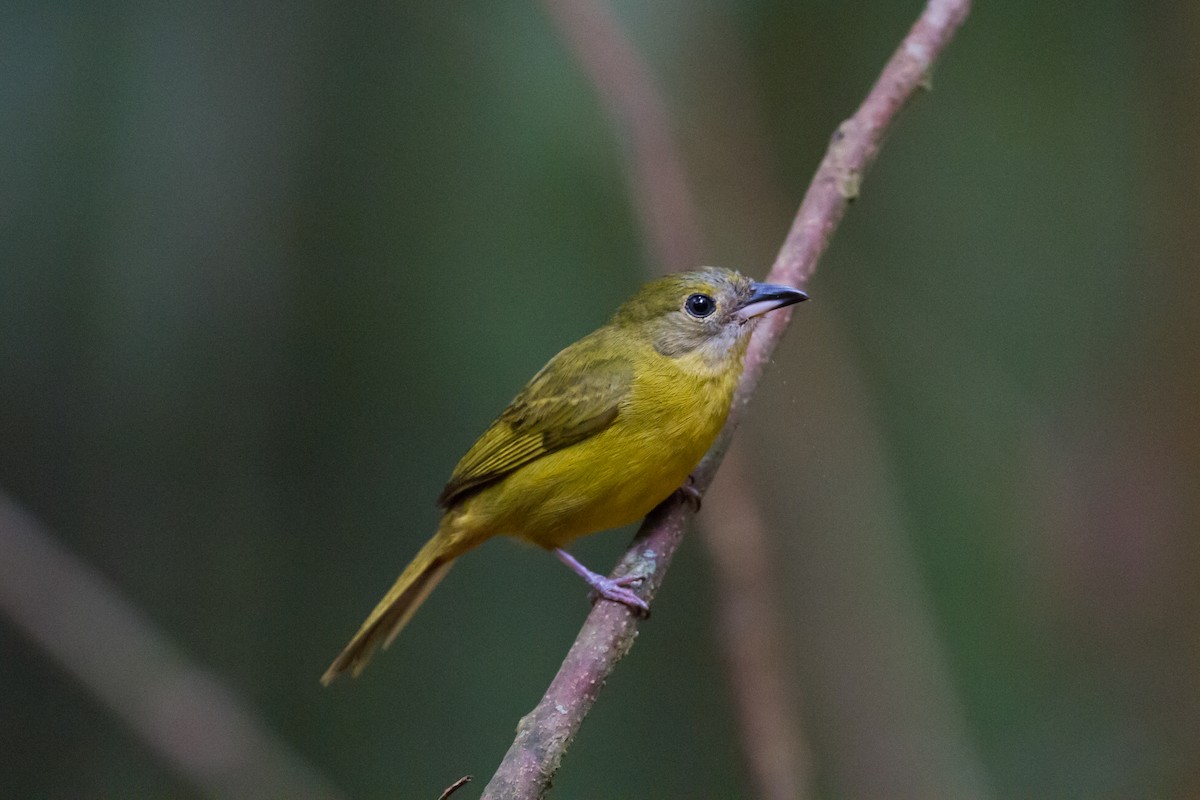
(266, 271)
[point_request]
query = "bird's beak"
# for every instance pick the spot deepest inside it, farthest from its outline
(766, 297)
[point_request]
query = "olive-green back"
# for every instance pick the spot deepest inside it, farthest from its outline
(576, 395)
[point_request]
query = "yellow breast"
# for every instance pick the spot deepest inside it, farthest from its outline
(670, 419)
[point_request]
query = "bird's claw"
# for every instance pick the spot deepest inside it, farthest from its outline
(690, 494)
(615, 589)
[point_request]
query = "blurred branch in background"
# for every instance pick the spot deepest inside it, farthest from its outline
(748, 622)
(653, 168)
(748, 626)
(181, 711)
(882, 709)
(544, 734)
(882, 694)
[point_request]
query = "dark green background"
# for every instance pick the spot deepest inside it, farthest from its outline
(266, 271)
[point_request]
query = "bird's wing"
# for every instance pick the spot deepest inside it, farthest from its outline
(575, 396)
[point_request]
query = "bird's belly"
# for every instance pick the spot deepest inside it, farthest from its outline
(609, 480)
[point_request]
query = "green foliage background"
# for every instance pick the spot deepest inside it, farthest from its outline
(267, 270)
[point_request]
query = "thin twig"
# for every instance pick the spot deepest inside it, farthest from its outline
(544, 734)
(454, 787)
(748, 627)
(181, 711)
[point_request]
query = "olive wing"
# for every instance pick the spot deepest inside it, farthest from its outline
(575, 396)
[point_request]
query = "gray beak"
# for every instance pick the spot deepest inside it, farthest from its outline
(766, 297)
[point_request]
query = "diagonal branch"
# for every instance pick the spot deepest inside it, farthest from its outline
(544, 734)
(748, 624)
(181, 711)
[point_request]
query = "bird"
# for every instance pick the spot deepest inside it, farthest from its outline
(609, 428)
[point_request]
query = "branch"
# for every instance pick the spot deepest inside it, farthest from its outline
(181, 711)
(544, 734)
(748, 625)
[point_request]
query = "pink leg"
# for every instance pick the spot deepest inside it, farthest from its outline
(607, 588)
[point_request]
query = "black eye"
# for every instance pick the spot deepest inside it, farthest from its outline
(700, 305)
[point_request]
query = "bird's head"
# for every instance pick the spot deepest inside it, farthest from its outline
(708, 312)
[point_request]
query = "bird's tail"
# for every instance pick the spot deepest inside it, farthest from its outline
(397, 607)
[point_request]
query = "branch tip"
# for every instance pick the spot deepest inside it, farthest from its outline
(454, 787)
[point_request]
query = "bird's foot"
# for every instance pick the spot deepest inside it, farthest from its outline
(614, 589)
(691, 494)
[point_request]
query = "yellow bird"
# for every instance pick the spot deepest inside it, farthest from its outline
(607, 430)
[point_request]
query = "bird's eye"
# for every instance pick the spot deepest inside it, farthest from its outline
(700, 305)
